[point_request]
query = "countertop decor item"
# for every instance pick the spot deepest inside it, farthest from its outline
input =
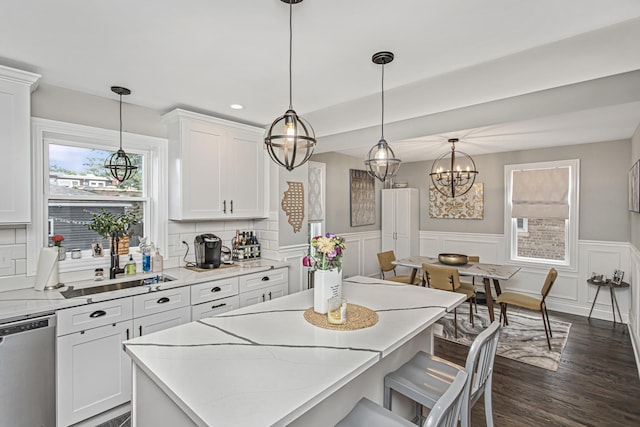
(358, 317)
(290, 139)
(119, 164)
(326, 259)
(453, 173)
(453, 259)
(381, 161)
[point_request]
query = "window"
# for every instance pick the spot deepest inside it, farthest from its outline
(543, 197)
(76, 185)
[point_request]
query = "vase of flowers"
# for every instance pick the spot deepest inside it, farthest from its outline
(326, 260)
(57, 242)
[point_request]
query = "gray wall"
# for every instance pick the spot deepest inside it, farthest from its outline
(56, 103)
(635, 217)
(603, 189)
(338, 214)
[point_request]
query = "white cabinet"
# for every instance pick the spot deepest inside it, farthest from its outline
(401, 222)
(15, 162)
(261, 295)
(215, 297)
(161, 321)
(216, 168)
(93, 374)
(160, 310)
(264, 286)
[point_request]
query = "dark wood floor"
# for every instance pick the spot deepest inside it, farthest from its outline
(596, 384)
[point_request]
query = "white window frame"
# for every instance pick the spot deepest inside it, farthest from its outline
(571, 236)
(155, 170)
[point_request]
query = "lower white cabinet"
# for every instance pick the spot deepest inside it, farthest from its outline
(160, 321)
(213, 308)
(93, 372)
(264, 294)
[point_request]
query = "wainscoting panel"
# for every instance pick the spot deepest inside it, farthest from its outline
(297, 273)
(634, 296)
(361, 255)
(570, 293)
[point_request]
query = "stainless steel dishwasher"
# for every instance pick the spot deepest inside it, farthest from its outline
(27, 370)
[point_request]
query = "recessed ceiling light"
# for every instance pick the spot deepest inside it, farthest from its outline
(236, 106)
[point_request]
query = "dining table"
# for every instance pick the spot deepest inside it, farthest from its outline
(488, 272)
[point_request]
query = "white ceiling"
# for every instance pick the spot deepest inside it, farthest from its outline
(499, 74)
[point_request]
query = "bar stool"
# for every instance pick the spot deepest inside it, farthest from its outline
(425, 378)
(445, 412)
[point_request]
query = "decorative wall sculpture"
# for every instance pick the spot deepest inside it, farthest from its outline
(363, 198)
(293, 204)
(467, 206)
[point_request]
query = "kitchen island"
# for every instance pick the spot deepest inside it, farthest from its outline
(266, 365)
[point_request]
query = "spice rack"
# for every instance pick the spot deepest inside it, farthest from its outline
(245, 247)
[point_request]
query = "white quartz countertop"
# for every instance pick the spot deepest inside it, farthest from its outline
(266, 365)
(26, 303)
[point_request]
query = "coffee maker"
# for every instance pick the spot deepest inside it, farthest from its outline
(208, 251)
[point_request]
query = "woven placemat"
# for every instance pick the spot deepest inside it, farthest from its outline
(358, 317)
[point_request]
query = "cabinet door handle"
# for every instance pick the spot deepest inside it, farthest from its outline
(269, 295)
(216, 289)
(163, 300)
(263, 298)
(224, 206)
(232, 206)
(127, 333)
(265, 279)
(97, 313)
(219, 305)
(140, 330)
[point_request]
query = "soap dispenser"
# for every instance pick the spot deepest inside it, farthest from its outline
(130, 267)
(157, 262)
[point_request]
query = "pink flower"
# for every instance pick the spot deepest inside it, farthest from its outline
(306, 261)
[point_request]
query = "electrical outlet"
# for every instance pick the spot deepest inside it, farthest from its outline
(5, 257)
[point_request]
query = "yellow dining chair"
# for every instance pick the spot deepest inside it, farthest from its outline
(471, 285)
(448, 279)
(531, 303)
(386, 259)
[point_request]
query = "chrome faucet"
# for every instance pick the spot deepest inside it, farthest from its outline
(115, 258)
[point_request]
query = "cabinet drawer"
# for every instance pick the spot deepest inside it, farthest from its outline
(264, 279)
(217, 289)
(156, 302)
(93, 315)
(213, 308)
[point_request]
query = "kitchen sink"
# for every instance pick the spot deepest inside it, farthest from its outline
(73, 293)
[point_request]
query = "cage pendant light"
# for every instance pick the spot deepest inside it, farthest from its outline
(453, 173)
(290, 140)
(381, 161)
(119, 164)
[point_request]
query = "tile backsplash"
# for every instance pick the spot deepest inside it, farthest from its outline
(13, 250)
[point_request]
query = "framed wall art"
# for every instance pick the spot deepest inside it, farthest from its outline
(634, 187)
(467, 206)
(363, 198)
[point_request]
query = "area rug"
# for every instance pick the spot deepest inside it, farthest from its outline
(523, 339)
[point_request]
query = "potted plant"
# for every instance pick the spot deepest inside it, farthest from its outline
(105, 223)
(57, 242)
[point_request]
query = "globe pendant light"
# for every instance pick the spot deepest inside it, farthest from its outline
(290, 140)
(453, 173)
(119, 164)
(381, 161)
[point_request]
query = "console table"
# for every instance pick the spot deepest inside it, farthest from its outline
(614, 301)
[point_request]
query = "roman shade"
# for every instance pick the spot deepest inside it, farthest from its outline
(540, 193)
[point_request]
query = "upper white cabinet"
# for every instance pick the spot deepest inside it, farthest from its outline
(216, 168)
(15, 163)
(401, 221)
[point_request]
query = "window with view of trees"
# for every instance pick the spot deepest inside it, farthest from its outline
(80, 186)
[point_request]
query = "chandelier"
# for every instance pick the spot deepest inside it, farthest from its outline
(453, 173)
(119, 164)
(290, 140)
(381, 161)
